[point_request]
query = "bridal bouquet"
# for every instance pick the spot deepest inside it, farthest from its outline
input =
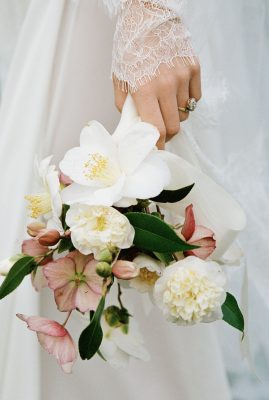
(102, 222)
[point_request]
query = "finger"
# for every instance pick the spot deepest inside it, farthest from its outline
(119, 95)
(169, 110)
(182, 99)
(149, 110)
(195, 82)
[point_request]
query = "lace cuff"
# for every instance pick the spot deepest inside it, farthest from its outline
(148, 34)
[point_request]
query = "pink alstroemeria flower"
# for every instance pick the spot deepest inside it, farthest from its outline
(75, 282)
(54, 338)
(197, 235)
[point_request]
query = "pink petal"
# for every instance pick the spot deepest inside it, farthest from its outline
(94, 281)
(43, 325)
(207, 246)
(31, 247)
(65, 297)
(60, 272)
(200, 232)
(86, 298)
(189, 224)
(38, 279)
(62, 348)
(65, 180)
(125, 269)
(80, 260)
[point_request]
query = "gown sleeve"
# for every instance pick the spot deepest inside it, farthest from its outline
(148, 34)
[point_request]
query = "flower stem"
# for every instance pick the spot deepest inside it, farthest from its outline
(119, 296)
(67, 318)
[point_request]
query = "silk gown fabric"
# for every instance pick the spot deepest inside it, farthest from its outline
(59, 79)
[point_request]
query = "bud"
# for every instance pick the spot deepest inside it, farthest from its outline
(65, 180)
(103, 269)
(125, 270)
(34, 228)
(116, 317)
(49, 237)
(104, 255)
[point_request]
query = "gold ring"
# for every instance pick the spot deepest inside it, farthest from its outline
(185, 110)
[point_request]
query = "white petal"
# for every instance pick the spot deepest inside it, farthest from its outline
(149, 179)
(96, 139)
(72, 165)
(111, 194)
(130, 344)
(129, 117)
(75, 193)
(126, 202)
(135, 147)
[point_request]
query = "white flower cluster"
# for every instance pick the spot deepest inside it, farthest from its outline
(95, 228)
(191, 291)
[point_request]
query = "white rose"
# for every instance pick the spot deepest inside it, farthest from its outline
(94, 228)
(191, 291)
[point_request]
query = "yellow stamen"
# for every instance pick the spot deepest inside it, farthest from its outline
(39, 204)
(148, 276)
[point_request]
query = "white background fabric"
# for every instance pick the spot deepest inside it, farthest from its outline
(237, 146)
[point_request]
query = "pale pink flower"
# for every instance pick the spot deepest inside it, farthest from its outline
(125, 269)
(38, 278)
(197, 235)
(31, 247)
(54, 338)
(75, 282)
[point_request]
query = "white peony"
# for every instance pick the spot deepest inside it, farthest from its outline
(94, 228)
(115, 169)
(48, 201)
(191, 291)
(118, 346)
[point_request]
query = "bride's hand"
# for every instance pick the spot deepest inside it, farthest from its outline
(158, 100)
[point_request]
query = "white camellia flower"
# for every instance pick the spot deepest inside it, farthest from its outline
(191, 291)
(149, 271)
(95, 228)
(115, 169)
(48, 201)
(118, 346)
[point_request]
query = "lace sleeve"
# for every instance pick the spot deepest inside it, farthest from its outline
(148, 33)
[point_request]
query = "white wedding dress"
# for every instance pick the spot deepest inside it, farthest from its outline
(58, 80)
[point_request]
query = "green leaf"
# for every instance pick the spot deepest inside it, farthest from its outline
(65, 244)
(24, 266)
(153, 234)
(232, 313)
(173, 196)
(165, 258)
(63, 216)
(92, 336)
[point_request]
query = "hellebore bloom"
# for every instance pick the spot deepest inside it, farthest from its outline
(75, 282)
(54, 338)
(197, 235)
